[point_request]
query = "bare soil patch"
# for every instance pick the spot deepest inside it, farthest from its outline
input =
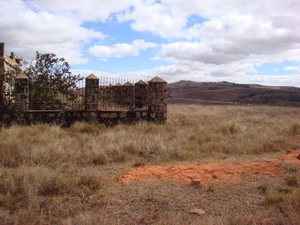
(211, 172)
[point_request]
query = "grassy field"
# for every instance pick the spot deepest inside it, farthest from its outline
(53, 175)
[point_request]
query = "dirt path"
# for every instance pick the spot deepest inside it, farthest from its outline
(212, 171)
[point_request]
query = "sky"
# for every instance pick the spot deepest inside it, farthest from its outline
(241, 41)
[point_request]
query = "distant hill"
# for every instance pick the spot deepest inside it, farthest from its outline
(231, 93)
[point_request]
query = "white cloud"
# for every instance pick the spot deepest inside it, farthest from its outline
(173, 73)
(120, 50)
(232, 40)
(292, 68)
(85, 10)
(151, 16)
(194, 51)
(234, 37)
(26, 30)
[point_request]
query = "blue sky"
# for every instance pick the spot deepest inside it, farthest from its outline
(242, 41)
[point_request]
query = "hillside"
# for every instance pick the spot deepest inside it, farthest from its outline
(231, 93)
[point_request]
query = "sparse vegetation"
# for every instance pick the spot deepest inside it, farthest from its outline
(54, 175)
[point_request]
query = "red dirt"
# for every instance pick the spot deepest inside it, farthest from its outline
(211, 171)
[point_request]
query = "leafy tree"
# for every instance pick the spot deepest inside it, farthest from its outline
(6, 87)
(51, 84)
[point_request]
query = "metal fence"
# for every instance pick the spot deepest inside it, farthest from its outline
(118, 93)
(79, 102)
(114, 94)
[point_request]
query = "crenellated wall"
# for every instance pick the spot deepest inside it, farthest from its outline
(147, 102)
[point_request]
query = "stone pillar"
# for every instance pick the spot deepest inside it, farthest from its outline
(128, 95)
(141, 94)
(117, 92)
(157, 100)
(21, 92)
(91, 92)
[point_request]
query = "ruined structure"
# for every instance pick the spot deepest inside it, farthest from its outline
(139, 102)
(7, 63)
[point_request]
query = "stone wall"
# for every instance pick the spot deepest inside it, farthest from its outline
(152, 96)
(68, 117)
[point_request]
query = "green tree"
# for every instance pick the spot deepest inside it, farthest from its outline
(7, 87)
(51, 84)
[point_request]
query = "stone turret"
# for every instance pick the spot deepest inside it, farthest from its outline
(141, 94)
(128, 95)
(91, 92)
(157, 100)
(21, 92)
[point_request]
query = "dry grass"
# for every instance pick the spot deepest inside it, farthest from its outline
(53, 175)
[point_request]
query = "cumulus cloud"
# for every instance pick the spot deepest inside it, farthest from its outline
(194, 51)
(153, 17)
(229, 41)
(26, 30)
(234, 38)
(120, 50)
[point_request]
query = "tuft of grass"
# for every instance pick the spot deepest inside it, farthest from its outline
(121, 157)
(139, 163)
(281, 194)
(290, 169)
(89, 182)
(292, 180)
(100, 159)
(263, 188)
(230, 129)
(210, 188)
(274, 198)
(284, 190)
(294, 128)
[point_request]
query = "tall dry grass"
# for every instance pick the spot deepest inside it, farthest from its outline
(45, 171)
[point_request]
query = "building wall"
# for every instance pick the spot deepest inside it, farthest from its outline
(7, 62)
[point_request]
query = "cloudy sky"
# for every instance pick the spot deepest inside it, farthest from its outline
(242, 41)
